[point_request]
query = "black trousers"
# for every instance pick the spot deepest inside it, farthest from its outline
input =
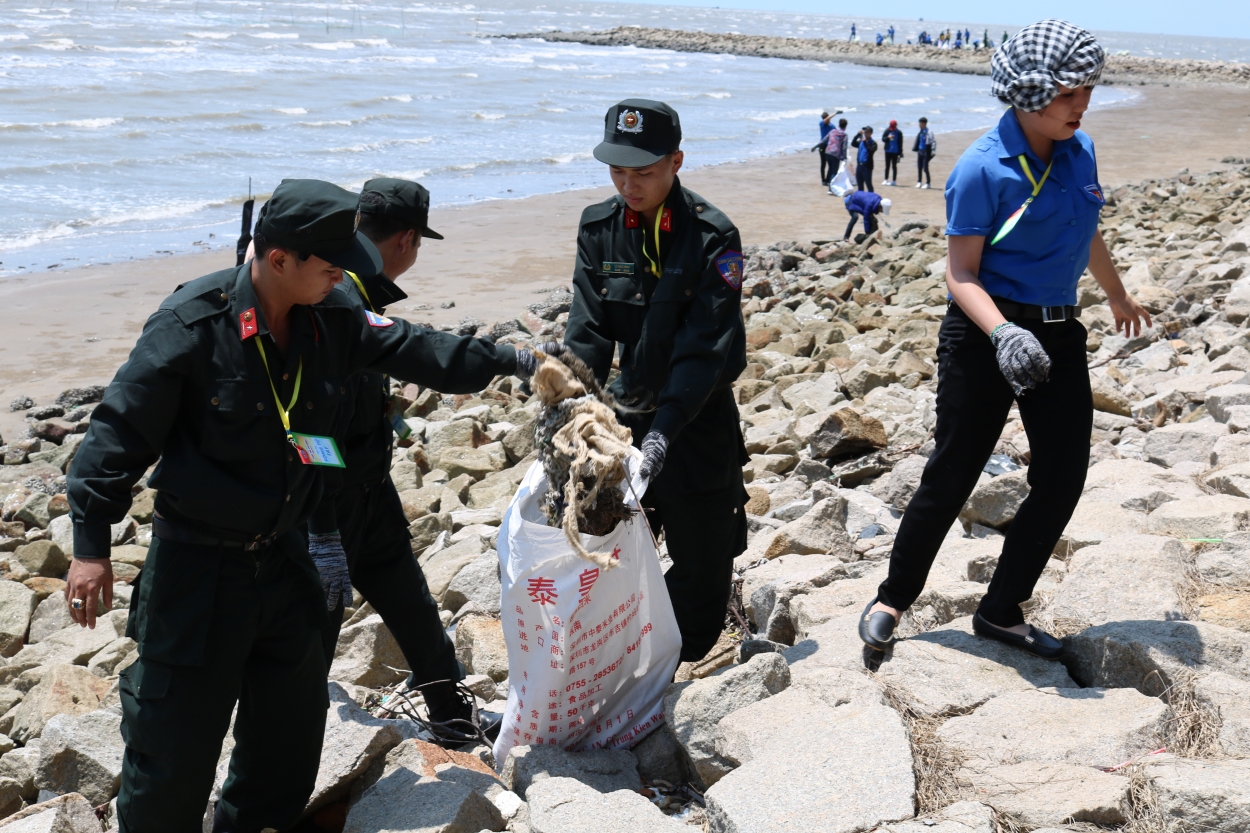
(705, 532)
(216, 626)
(891, 161)
(384, 570)
(973, 399)
(922, 167)
(863, 177)
(825, 173)
(855, 215)
(835, 164)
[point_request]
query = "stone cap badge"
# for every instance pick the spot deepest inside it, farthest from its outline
(625, 142)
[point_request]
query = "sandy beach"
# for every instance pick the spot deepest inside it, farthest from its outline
(75, 327)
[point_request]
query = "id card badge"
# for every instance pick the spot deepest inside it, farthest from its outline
(318, 451)
(395, 415)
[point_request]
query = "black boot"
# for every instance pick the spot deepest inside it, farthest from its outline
(221, 824)
(454, 717)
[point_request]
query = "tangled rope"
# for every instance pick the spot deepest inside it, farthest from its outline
(582, 446)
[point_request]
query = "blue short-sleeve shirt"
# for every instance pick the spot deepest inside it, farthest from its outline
(1043, 257)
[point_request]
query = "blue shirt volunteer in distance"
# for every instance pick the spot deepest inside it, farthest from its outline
(1043, 257)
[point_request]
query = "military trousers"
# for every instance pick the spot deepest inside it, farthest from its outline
(382, 567)
(705, 532)
(219, 627)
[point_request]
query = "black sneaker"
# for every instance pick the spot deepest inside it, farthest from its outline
(454, 718)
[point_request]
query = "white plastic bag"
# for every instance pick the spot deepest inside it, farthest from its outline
(842, 184)
(590, 651)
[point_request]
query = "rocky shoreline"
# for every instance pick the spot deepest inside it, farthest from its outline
(787, 725)
(1121, 69)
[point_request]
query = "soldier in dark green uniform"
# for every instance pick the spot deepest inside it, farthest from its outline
(235, 386)
(365, 509)
(659, 276)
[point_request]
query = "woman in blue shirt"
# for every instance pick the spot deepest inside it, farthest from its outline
(1022, 209)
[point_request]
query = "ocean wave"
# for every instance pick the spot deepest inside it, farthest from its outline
(372, 41)
(784, 114)
(908, 102)
(18, 36)
(292, 111)
(559, 67)
(246, 127)
(405, 98)
(716, 95)
(142, 214)
(209, 35)
(90, 124)
(335, 123)
(274, 35)
(331, 47)
(148, 50)
(490, 116)
(57, 44)
(369, 147)
(566, 158)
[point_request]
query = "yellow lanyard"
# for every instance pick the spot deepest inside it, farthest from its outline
(284, 413)
(361, 287)
(1019, 212)
(655, 265)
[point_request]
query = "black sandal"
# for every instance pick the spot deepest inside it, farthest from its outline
(1037, 642)
(877, 629)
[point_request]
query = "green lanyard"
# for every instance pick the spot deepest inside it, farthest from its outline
(361, 287)
(655, 265)
(1037, 188)
(285, 413)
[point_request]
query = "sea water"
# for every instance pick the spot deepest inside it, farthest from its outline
(132, 130)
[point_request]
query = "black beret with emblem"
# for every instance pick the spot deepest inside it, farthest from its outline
(638, 132)
(403, 199)
(319, 218)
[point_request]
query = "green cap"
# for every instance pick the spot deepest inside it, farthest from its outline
(406, 201)
(638, 132)
(318, 218)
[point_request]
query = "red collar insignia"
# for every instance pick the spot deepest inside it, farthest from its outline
(631, 218)
(247, 324)
(666, 220)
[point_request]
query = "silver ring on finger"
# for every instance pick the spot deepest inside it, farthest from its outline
(78, 604)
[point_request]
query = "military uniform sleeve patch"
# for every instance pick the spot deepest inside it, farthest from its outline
(376, 320)
(730, 267)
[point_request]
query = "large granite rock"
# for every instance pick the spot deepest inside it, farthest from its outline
(563, 805)
(1210, 516)
(480, 646)
(1202, 795)
(64, 814)
(603, 770)
(354, 739)
(1152, 655)
(367, 654)
(995, 503)
(83, 754)
(17, 604)
(1124, 577)
(64, 690)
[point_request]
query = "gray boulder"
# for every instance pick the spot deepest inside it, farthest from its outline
(1229, 563)
(960, 817)
(43, 558)
(1083, 727)
(415, 795)
(67, 690)
(82, 753)
(995, 503)
(789, 780)
(1136, 485)
(354, 739)
(695, 708)
(480, 646)
(63, 814)
(1220, 401)
(1095, 520)
(20, 764)
(1202, 795)
(17, 604)
(1124, 577)
(951, 668)
(1037, 794)
(477, 582)
(1225, 696)
(563, 805)
(1183, 443)
(442, 566)
(1210, 516)
(1152, 655)
(367, 654)
(898, 487)
(50, 615)
(603, 770)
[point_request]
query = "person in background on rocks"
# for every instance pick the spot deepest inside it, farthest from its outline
(864, 158)
(864, 204)
(985, 39)
(826, 126)
(853, 35)
(967, 36)
(363, 511)
(658, 283)
(892, 139)
(1022, 225)
(835, 148)
(924, 148)
(891, 33)
(234, 386)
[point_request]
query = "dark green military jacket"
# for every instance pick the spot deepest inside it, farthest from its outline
(194, 394)
(680, 335)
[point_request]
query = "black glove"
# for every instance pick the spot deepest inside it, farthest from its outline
(327, 553)
(553, 348)
(654, 450)
(526, 363)
(1021, 357)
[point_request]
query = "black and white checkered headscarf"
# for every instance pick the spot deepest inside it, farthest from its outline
(1026, 69)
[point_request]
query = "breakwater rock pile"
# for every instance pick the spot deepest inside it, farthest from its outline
(788, 724)
(1121, 69)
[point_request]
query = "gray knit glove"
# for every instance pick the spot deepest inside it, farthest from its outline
(553, 348)
(327, 553)
(654, 450)
(526, 363)
(1021, 357)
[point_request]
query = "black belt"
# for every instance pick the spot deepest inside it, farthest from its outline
(1048, 315)
(162, 528)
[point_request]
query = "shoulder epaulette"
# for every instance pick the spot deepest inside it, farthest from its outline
(202, 297)
(600, 211)
(709, 213)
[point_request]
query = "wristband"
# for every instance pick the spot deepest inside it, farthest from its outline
(994, 331)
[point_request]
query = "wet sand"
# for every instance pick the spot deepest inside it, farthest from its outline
(76, 326)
